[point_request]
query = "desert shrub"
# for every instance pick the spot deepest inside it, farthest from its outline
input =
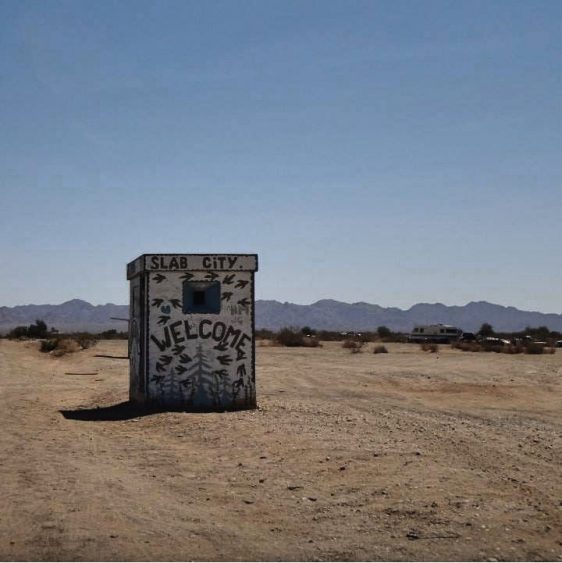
(380, 350)
(497, 348)
(18, 332)
(311, 342)
(48, 345)
(429, 347)
(513, 349)
(84, 340)
(66, 346)
(265, 334)
(37, 330)
(113, 334)
(354, 346)
(290, 337)
(467, 346)
(534, 348)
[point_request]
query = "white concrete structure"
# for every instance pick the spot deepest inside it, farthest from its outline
(191, 331)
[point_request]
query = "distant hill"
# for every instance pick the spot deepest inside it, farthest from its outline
(74, 315)
(325, 314)
(335, 315)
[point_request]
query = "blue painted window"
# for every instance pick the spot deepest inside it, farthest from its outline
(202, 297)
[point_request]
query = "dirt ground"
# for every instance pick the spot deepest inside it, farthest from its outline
(399, 456)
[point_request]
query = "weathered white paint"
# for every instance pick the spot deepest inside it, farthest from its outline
(200, 361)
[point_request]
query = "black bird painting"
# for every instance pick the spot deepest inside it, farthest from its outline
(180, 369)
(159, 278)
(185, 359)
(163, 319)
(227, 295)
(166, 360)
(221, 346)
(224, 360)
(228, 279)
(241, 283)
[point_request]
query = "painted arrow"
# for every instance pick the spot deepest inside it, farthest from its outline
(186, 276)
(241, 370)
(181, 369)
(165, 360)
(211, 276)
(157, 378)
(224, 360)
(241, 355)
(186, 382)
(163, 319)
(227, 295)
(159, 367)
(177, 349)
(221, 346)
(176, 303)
(241, 283)
(228, 279)
(184, 359)
(159, 278)
(244, 302)
(221, 372)
(157, 302)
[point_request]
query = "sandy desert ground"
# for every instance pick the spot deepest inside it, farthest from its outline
(399, 456)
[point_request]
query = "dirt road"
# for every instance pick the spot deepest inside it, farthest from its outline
(399, 456)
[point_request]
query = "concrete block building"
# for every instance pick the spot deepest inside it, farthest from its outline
(191, 331)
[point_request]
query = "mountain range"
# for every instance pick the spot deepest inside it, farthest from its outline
(325, 314)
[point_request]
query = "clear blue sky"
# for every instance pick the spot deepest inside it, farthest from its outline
(388, 152)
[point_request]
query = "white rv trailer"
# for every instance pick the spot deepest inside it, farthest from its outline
(434, 333)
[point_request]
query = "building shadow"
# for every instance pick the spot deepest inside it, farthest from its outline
(120, 411)
(127, 411)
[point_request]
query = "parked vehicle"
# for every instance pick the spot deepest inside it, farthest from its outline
(468, 337)
(434, 333)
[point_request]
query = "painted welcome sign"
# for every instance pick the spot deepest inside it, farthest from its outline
(192, 330)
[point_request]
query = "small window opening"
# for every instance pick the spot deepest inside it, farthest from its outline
(198, 297)
(202, 297)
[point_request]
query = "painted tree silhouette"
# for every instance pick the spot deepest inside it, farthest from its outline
(202, 377)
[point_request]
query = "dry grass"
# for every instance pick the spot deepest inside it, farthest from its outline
(532, 348)
(380, 350)
(61, 346)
